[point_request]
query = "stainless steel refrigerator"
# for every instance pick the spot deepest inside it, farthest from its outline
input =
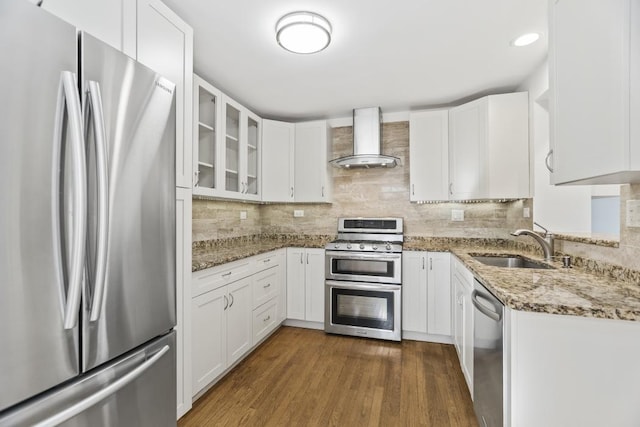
(87, 229)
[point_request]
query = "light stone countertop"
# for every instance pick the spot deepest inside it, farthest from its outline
(571, 291)
(568, 291)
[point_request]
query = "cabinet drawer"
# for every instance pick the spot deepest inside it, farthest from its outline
(265, 320)
(266, 285)
(213, 278)
(267, 260)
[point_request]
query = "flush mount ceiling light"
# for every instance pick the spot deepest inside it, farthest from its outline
(525, 39)
(303, 32)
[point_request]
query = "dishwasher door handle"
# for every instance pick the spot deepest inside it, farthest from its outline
(496, 316)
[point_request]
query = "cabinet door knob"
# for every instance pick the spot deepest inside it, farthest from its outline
(451, 188)
(413, 189)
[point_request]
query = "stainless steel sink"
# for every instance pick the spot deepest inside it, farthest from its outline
(510, 261)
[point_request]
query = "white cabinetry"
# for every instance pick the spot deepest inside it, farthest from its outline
(426, 295)
(183, 296)
(227, 146)
(462, 286)
(165, 44)
(222, 330)
(277, 161)
(234, 307)
(312, 182)
(295, 162)
(429, 155)
(305, 284)
(207, 111)
(489, 148)
(571, 370)
(594, 78)
(112, 21)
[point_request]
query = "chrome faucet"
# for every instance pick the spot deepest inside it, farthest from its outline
(545, 241)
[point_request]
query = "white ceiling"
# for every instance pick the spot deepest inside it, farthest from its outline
(400, 55)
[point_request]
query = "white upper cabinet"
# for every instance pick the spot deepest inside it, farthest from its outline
(295, 164)
(112, 21)
(165, 44)
(312, 182)
(277, 161)
(489, 148)
(207, 110)
(227, 146)
(429, 155)
(594, 78)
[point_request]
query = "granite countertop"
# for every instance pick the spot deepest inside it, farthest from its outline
(573, 291)
(210, 254)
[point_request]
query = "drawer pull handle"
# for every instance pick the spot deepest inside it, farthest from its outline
(267, 318)
(267, 285)
(267, 260)
(227, 274)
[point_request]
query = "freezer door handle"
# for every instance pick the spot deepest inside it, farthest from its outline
(94, 106)
(113, 388)
(69, 98)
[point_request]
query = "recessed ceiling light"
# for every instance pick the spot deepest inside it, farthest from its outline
(303, 32)
(525, 39)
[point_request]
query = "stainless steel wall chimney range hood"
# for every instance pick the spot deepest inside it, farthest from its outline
(367, 142)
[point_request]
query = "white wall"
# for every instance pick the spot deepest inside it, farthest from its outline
(564, 209)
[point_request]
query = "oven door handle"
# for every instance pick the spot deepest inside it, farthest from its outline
(362, 286)
(363, 256)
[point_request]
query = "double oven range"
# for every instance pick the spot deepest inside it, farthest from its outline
(363, 272)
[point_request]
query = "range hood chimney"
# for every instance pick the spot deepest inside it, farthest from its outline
(367, 142)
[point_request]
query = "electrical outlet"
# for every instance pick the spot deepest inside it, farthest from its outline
(526, 213)
(298, 213)
(243, 214)
(633, 213)
(457, 215)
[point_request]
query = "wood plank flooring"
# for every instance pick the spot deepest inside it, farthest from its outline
(303, 377)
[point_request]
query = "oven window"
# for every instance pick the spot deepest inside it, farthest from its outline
(368, 267)
(370, 309)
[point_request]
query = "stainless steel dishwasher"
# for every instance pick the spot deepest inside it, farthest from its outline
(487, 357)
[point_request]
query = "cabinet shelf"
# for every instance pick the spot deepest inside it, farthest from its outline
(231, 171)
(206, 165)
(206, 127)
(233, 138)
(252, 147)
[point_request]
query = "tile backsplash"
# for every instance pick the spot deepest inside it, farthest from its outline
(362, 192)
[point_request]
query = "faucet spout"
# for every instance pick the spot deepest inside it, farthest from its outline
(545, 242)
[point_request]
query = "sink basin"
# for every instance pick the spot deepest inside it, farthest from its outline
(510, 261)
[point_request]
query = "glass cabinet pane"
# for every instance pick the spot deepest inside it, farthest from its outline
(207, 127)
(232, 149)
(252, 156)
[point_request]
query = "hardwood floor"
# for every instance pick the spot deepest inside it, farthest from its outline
(303, 377)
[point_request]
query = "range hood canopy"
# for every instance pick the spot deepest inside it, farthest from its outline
(367, 142)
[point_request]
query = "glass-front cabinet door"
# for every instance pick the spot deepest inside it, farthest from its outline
(228, 136)
(207, 108)
(252, 178)
(232, 147)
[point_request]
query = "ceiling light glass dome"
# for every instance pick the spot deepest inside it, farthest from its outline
(303, 32)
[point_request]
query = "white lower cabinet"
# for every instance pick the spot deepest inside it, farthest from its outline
(209, 337)
(462, 286)
(234, 307)
(222, 330)
(426, 294)
(305, 284)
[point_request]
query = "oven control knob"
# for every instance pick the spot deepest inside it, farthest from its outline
(361, 246)
(388, 246)
(348, 245)
(336, 246)
(374, 247)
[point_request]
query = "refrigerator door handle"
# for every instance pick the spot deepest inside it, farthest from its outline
(68, 97)
(84, 404)
(95, 107)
